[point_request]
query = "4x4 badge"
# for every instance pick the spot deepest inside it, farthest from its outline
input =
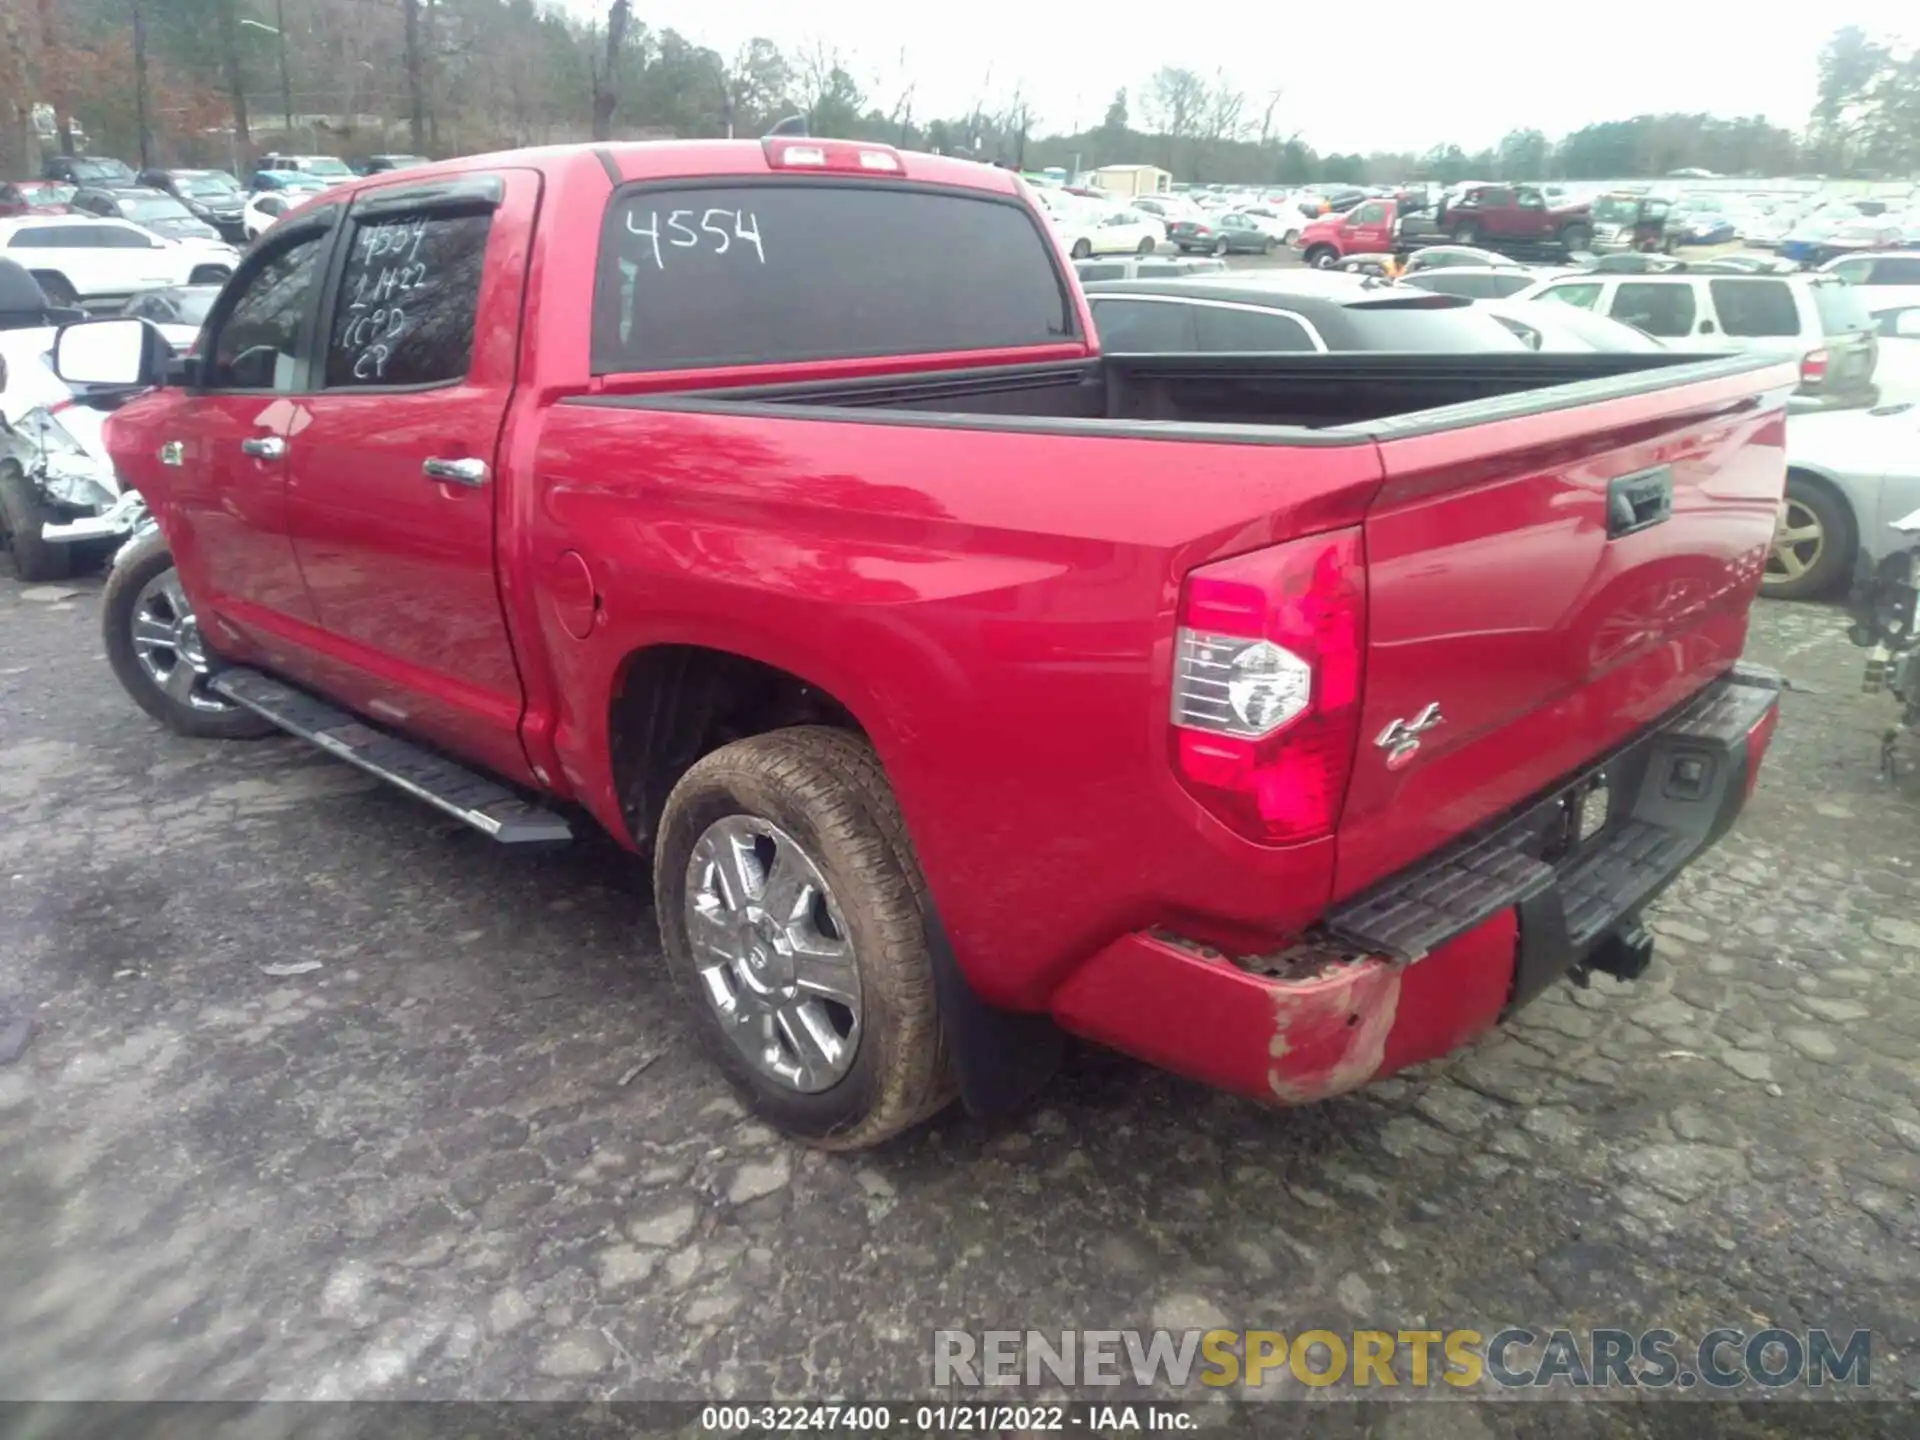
(1401, 739)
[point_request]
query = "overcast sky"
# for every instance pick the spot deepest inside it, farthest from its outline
(1402, 79)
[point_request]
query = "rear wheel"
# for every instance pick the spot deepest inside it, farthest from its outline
(1146, 246)
(156, 650)
(1082, 248)
(1577, 237)
(1220, 246)
(1323, 257)
(209, 275)
(791, 913)
(21, 516)
(1812, 543)
(1466, 233)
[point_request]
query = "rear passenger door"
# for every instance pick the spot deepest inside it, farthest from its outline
(1666, 311)
(1756, 313)
(391, 491)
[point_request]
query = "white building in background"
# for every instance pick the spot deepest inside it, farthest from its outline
(1132, 180)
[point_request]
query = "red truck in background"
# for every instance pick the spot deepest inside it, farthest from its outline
(1283, 719)
(1516, 218)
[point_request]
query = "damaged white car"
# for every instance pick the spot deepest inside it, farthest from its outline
(58, 488)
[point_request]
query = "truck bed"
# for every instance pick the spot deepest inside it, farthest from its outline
(1186, 396)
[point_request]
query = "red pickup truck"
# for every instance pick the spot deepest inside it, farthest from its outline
(1506, 217)
(1284, 719)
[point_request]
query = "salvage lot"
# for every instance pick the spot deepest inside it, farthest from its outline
(475, 1153)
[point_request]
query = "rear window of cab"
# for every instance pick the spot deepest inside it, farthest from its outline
(784, 270)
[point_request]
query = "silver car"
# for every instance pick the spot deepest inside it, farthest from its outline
(1850, 475)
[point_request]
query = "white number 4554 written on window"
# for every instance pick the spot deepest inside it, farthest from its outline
(716, 231)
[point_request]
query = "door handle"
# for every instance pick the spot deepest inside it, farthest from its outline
(1637, 501)
(470, 473)
(264, 447)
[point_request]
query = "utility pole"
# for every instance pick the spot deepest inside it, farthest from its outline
(286, 85)
(416, 98)
(140, 81)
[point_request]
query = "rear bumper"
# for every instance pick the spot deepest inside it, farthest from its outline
(1440, 953)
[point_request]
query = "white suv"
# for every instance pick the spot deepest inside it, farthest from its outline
(1887, 281)
(1821, 319)
(77, 259)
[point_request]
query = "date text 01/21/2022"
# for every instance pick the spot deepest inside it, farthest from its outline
(745, 230)
(962, 1418)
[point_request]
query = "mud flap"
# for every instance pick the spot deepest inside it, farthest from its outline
(1002, 1059)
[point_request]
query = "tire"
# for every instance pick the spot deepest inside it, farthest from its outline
(1323, 257)
(1807, 568)
(1081, 249)
(55, 287)
(210, 275)
(822, 791)
(1293, 236)
(1576, 237)
(1220, 247)
(1465, 233)
(21, 514)
(1266, 246)
(147, 565)
(1147, 246)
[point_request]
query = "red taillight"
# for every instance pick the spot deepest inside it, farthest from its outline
(1813, 367)
(832, 156)
(1266, 686)
(1758, 739)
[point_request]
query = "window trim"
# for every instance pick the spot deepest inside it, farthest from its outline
(322, 225)
(1196, 303)
(598, 369)
(441, 199)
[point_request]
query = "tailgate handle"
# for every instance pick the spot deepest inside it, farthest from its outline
(1639, 500)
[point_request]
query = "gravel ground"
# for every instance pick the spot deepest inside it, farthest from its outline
(423, 1167)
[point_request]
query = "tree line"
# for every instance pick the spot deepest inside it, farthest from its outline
(217, 81)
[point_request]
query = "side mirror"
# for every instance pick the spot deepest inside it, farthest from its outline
(118, 353)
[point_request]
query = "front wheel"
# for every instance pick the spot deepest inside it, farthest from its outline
(156, 650)
(57, 288)
(210, 275)
(1082, 249)
(1220, 246)
(1323, 257)
(791, 913)
(1147, 246)
(21, 516)
(1576, 237)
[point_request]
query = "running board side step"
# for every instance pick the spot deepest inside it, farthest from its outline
(488, 806)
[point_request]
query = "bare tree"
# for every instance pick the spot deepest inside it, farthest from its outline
(1267, 135)
(1176, 102)
(229, 19)
(416, 81)
(605, 92)
(1223, 116)
(1015, 123)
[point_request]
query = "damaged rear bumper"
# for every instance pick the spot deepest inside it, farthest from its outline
(122, 517)
(1439, 954)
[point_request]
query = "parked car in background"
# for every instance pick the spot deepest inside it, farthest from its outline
(78, 258)
(1562, 328)
(1287, 310)
(380, 164)
(1366, 229)
(1819, 318)
(1492, 282)
(1898, 372)
(1145, 267)
(1228, 233)
(1831, 235)
(329, 169)
(1885, 279)
(1516, 214)
(212, 195)
(177, 312)
(36, 197)
(1169, 208)
(1745, 262)
(87, 170)
(1850, 475)
(265, 207)
(1279, 224)
(150, 209)
(1441, 257)
(1092, 227)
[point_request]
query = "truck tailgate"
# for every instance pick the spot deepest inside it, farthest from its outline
(1543, 585)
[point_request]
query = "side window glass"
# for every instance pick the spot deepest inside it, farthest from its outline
(1244, 330)
(1143, 327)
(1854, 272)
(1583, 296)
(257, 343)
(1665, 311)
(1755, 309)
(408, 296)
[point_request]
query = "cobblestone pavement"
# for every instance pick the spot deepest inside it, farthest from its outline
(424, 1169)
